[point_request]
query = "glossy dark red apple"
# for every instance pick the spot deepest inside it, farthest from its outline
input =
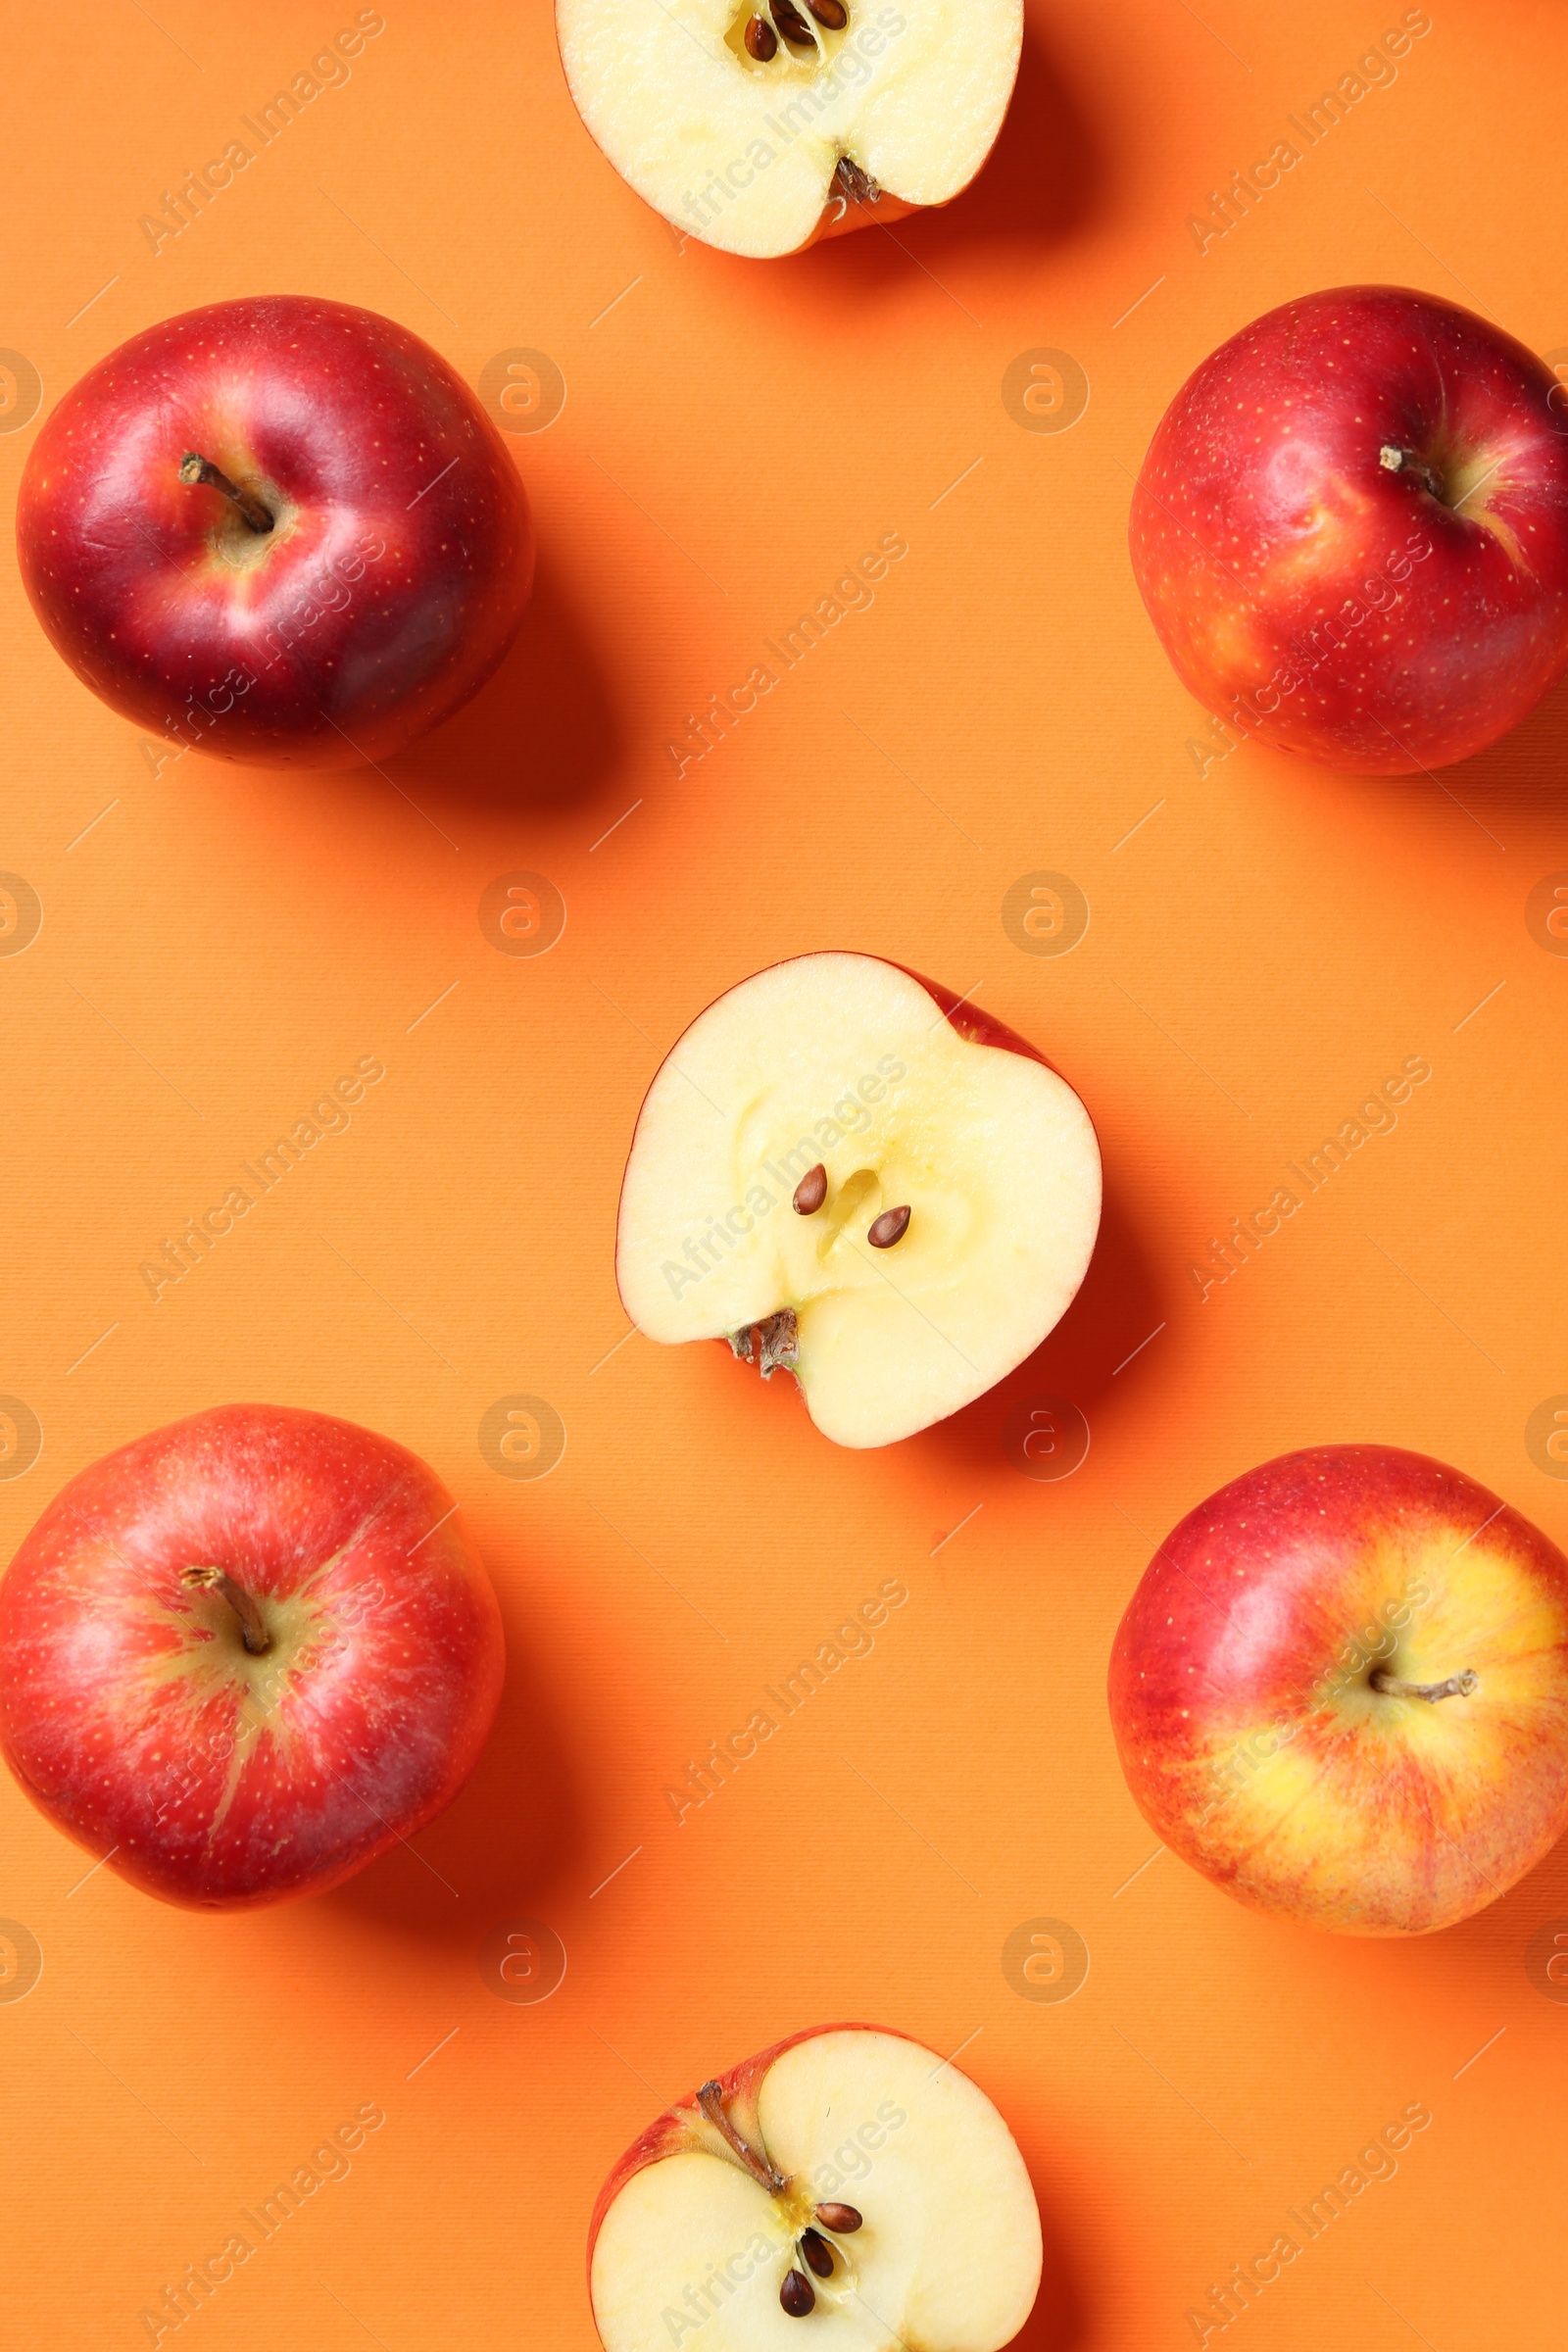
(279, 529)
(241, 1656)
(1351, 530)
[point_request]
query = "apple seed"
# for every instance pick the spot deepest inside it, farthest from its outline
(842, 2220)
(818, 2253)
(831, 12)
(797, 2295)
(793, 26)
(890, 1227)
(810, 1192)
(761, 41)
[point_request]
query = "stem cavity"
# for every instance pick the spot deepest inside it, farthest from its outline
(194, 468)
(251, 1624)
(710, 2099)
(1395, 460)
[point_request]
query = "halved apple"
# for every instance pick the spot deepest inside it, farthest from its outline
(854, 1177)
(759, 125)
(849, 2179)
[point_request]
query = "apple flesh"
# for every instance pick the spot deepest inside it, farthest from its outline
(1341, 1692)
(760, 128)
(277, 530)
(244, 1654)
(1351, 530)
(846, 2187)
(780, 1145)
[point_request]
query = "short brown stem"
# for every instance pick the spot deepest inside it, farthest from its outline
(196, 469)
(1395, 460)
(1394, 1686)
(710, 2099)
(251, 1624)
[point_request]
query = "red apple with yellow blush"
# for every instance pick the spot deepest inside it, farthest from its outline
(1341, 1692)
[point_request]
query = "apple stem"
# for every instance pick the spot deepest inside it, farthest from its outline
(1458, 1685)
(251, 1624)
(196, 469)
(1406, 460)
(710, 2099)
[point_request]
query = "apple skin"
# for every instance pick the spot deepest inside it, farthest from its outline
(686, 2126)
(1264, 517)
(384, 596)
(122, 1709)
(1250, 1733)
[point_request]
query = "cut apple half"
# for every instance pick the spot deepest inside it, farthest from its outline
(846, 2190)
(855, 1178)
(759, 125)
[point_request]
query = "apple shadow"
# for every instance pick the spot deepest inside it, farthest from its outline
(544, 731)
(1513, 780)
(1043, 180)
(1061, 2318)
(496, 1850)
(1097, 1341)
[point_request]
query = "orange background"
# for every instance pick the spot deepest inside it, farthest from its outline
(1271, 941)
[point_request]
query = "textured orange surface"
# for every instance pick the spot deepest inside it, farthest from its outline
(1266, 944)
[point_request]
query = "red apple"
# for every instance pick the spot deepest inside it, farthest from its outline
(280, 529)
(243, 1655)
(761, 128)
(855, 1177)
(1351, 530)
(1341, 1692)
(847, 2175)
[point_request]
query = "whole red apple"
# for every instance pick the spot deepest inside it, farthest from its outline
(848, 2176)
(1341, 1692)
(855, 1176)
(241, 1656)
(1351, 530)
(279, 529)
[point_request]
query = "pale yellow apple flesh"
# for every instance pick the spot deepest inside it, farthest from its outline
(846, 1063)
(694, 2249)
(744, 154)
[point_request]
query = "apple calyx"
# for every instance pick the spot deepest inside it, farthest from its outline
(193, 468)
(797, 2294)
(1394, 1686)
(251, 1624)
(777, 1344)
